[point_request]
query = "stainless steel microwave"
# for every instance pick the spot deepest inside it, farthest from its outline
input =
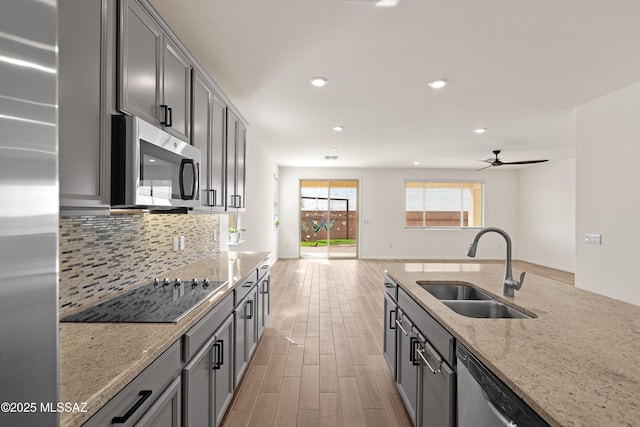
(151, 168)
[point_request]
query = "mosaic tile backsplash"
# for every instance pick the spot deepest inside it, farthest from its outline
(104, 255)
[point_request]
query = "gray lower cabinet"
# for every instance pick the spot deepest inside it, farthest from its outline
(208, 379)
(424, 360)
(151, 399)
(86, 40)
(165, 412)
(154, 75)
(264, 303)
(407, 372)
(246, 331)
(389, 343)
(208, 115)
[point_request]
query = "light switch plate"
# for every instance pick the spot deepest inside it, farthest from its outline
(182, 243)
(593, 239)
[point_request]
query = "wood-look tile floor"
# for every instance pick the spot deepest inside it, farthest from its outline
(320, 362)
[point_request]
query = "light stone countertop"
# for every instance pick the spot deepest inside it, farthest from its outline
(576, 364)
(98, 359)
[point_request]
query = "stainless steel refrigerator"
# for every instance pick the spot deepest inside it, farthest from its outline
(28, 213)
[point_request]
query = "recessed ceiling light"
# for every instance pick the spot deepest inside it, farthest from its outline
(338, 128)
(416, 163)
(480, 130)
(319, 81)
(438, 84)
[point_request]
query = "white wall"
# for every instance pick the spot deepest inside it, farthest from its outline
(607, 196)
(258, 216)
(547, 214)
(381, 213)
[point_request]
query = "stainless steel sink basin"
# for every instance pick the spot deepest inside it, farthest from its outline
(488, 309)
(471, 302)
(453, 291)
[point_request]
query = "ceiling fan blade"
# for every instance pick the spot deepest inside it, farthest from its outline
(481, 169)
(525, 162)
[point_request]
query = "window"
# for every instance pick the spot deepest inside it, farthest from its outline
(442, 204)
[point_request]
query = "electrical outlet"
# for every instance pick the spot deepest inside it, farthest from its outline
(593, 239)
(175, 244)
(182, 243)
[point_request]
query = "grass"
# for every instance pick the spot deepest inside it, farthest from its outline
(333, 242)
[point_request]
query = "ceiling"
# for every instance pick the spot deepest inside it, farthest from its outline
(518, 68)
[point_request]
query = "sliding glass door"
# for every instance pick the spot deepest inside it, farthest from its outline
(328, 218)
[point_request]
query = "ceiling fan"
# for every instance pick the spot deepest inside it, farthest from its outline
(498, 162)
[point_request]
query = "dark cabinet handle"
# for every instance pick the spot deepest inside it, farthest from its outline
(144, 395)
(211, 198)
(247, 284)
(413, 346)
(236, 200)
(250, 316)
(392, 320)
(165, 114)
(170, 115)
(219, 345)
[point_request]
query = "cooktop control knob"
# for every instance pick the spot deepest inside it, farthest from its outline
(205, 283)
(156, 283)
(166, 282)
(177, 283)
(194, 283)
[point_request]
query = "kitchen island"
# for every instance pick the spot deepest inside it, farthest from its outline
(98, 359)
(576, 363)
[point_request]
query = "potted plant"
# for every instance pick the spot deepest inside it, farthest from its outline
(234, 234)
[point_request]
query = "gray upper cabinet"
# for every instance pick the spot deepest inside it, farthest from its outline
(176, 90)
(236, 153)
(154, 74)
(208, 135)
(86, 37)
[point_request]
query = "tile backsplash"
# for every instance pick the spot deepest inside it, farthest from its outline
(102, 255)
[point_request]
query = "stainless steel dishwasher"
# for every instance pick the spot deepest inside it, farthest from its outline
(484, 401)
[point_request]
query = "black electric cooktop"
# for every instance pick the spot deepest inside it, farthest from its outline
(157, 302)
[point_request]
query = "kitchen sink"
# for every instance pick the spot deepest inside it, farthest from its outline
(488, 309)
(453, 291)
(469, 301)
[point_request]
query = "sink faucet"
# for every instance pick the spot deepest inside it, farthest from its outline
(509, 285)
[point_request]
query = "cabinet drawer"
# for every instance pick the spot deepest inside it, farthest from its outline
(438, 336)
(197, 336)
(264, 269)
(245, 286)
(390, 287)
(133, 401)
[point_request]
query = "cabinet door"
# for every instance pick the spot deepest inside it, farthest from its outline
(201, 135)
(245, 333)
(241, 153)
(223, 369)
(437, 391)
(140, 73)
(232, 162)
(85, 51)
(176, 90)
(390, 333)
(166, 411)
(218, 157)
(406, 365)
(198, 388)
(264, 290)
